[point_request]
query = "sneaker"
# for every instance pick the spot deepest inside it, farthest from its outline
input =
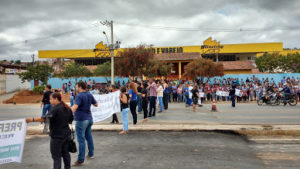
(77, 163)
(91, 157)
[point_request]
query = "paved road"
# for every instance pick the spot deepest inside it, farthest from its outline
(244, 113)
(153, 150)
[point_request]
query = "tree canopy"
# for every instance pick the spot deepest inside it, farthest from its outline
(203, 68)
(103, 70)
(157, 68)
(133, 61)
(37, 72)
(75, 70)
(276, 63)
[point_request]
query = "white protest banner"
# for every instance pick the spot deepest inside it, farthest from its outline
(108, 104)
(238, 92)
(12, 138)
(222, 93)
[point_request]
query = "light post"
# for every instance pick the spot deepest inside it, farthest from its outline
(112, 46)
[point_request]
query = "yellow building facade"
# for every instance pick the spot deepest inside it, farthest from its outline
(236, 58)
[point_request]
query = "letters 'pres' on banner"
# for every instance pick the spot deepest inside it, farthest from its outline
(108, 104)
(12, 138)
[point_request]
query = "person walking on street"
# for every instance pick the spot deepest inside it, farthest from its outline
(84, 122)
(124, 110)
(46, 101)
(232, 96)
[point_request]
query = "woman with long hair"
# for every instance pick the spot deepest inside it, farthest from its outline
(160, 95)
(133, 101)
(60, 116)
(124, 110)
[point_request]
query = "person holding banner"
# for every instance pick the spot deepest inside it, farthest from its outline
(60, 116)
(124, 110)
(84, 122)
(115, 117)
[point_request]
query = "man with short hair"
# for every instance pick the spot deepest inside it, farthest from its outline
(84, 122)
(46, 101)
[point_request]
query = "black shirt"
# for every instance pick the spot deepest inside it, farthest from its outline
(145, 92)
(124, 105)
(46, 97)
(194, 92)
(139, 89)
(60, 118)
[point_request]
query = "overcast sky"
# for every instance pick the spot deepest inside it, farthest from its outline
(27, 26)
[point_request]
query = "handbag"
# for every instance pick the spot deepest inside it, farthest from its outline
(72, 144)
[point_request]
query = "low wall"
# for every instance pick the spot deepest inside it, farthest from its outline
(11, 83)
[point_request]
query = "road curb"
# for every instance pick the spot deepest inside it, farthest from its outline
(248, 130)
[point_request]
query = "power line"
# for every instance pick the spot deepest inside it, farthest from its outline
(206, 29)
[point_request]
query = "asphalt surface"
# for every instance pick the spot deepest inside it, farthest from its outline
(152, 150)
(244, 113)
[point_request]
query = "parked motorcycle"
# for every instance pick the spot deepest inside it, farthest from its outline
(270, 100)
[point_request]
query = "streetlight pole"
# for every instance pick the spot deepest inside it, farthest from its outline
(111, 48)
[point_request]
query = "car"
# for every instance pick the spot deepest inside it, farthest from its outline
(100, 85)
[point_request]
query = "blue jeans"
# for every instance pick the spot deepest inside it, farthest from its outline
(84, 132)
(186, 99)
(160, 100)
(125, 118)
(71, 100)
(139, 103)
(233, 100)
(179, 97)
(46, 109)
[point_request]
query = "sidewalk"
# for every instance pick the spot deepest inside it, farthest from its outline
(7, 96)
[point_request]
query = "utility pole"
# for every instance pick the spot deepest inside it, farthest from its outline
(111, 48)
(32, 56)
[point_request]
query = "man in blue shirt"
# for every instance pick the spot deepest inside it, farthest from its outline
(84, 122)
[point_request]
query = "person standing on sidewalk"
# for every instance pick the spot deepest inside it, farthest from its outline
(160, 91)
(84, 122)
(46, 101)
(144, 94)
(60, 116)
(133, 101)
(124, 110)
(195, 96)
(139, 97)
(115, 117)
(153, 96)
(165, 95)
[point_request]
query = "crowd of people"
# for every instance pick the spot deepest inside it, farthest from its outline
(140, 97)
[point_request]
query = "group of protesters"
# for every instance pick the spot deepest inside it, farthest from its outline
(139, 97)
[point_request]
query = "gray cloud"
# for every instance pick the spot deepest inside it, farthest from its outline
(271, 20)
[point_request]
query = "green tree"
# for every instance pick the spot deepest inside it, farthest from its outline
(203, 68)
(37, 72)
(75, 70)
(17, 62)
(276, 63)
(103, 70)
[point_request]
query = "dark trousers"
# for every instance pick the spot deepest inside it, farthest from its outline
(152, 105)
(115, 118)
(59, 149)
(133, 110)
(174, 97)
(165, 100)
(233, 100)
(145, 108)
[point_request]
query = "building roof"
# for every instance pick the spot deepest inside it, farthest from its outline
(178, 56)
(238, 65)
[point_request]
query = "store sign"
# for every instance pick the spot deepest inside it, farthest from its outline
(14, 71)
(211, 45)
(167, 50)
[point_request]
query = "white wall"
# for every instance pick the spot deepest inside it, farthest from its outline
(11, 83)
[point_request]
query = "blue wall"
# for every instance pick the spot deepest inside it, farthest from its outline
(277, 77)
(58, 82)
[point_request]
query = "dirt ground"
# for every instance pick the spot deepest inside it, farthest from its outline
(27, 96)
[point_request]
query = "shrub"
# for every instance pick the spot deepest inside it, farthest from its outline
(38, 89)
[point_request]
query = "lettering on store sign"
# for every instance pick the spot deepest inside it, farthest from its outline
(167, 50)
(212, 47)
